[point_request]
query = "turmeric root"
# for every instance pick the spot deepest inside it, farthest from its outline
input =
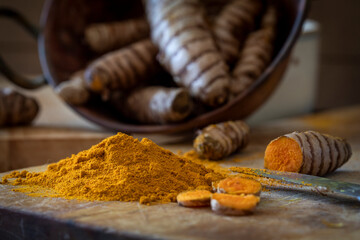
(232, 25)
(74, 90)
(213, 8)
(122, 69)
(234, 205)
(220, 140)
(239, 185)
(187, 49)
(195, 198)
(256, 54)
(156, 104)
(104, 37)
(307, 152)
(16, 108)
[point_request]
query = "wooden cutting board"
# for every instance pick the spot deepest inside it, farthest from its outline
(280, 215)
(28, 146)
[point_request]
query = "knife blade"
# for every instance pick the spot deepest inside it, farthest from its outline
(321, 185)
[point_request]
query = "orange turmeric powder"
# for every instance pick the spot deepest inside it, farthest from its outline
(120, 168)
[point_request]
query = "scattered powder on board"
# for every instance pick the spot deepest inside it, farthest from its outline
(120, 168)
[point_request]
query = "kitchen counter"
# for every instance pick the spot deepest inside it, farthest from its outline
(280, 215)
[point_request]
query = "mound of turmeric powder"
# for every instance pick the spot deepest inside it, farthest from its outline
(121, 168)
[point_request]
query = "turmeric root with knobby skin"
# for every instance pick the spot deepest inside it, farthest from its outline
(307, 152)
(16, 108)
(104, 37)
(122, 69)
(213, 8)
(232, 25)
(233, 205)
(155, 104)
(220, 140)
(187, 49)
(74, 90)
(195, 198)
(256, 54)
(239, 185)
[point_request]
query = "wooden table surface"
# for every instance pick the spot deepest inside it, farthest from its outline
(280, 215)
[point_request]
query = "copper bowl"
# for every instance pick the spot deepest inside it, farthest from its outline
(62, 52)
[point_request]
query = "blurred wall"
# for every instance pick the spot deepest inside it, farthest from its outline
(17, 47)
(339, 73)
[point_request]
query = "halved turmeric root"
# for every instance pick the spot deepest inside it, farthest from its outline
(239, 185)
(235, 205)
(307, 152)
(195, 198)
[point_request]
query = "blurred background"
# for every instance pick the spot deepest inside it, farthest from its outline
(324, 73)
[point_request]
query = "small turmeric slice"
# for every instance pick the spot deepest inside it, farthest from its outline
(239, 185)
(307, 152)
(195, 198)
(220, 140)
(233, 205)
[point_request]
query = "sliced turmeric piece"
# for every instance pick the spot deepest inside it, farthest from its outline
(187, 49)
(220, 140)
(239, 185)
(195, 198)
(233, 205)
(307, 152)
(104, 37)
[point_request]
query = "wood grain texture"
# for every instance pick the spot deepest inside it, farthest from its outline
(28, 146)
(280, 215)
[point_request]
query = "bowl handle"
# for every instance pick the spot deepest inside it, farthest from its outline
(10, 74)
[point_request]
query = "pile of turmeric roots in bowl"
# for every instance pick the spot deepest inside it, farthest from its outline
(183, 58)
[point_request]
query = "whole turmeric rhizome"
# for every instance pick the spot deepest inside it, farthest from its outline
(233, 196)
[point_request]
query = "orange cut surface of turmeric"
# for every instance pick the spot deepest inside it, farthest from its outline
(195, 198)
(239, 185)
(283, 154)
(229, 204)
